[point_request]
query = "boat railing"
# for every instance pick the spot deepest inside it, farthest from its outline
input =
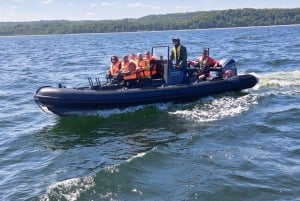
(97, 86)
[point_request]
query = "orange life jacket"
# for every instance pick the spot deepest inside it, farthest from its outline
(115, 68)
(143, 68)
(128, 70)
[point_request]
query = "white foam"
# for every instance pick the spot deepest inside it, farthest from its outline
(217, 108)
(139, 155)
(69, 189)
(106, 113)
(278, 79)
(109, 112)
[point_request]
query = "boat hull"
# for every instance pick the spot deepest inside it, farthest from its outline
(64, 101)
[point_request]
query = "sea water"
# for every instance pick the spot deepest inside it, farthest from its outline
(232, 146)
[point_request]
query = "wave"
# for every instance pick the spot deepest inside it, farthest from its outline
(217, 108)
(98, 185)
(281, 79)
(110, 112)
(132, 109)
(70, 189)
(212, 109)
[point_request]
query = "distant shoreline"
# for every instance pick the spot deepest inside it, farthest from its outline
(41, 35)
(222, 19)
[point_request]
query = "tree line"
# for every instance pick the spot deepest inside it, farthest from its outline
(192, 20)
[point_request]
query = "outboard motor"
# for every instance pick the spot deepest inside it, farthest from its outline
(228, 64)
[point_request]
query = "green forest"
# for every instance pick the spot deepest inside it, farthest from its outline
(192, 20)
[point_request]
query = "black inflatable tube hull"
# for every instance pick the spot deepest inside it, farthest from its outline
(63, 101)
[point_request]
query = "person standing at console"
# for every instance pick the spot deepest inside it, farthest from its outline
(179, 55)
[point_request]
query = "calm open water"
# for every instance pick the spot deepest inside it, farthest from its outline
(234, 146)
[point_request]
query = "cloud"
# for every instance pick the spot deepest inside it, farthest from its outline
(141, 5)
(183, 7)
(93, 4)
(109, 3)
(47, 2)
(134, 5)
(156, 7)
(91, 14)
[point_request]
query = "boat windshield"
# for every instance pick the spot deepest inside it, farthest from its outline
(160, 52)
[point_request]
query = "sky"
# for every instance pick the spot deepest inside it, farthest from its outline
(35, 10)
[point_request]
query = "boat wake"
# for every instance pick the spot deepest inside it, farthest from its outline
(278, 80)
(212, 109)
(116, 111)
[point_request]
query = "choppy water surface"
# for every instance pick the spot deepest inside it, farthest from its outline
(233, 146)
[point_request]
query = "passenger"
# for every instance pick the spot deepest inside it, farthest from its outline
(128, 69)
(114, 71)
(179, 54)
(148, 56)
(132, 57)
(204, 62)
(152, 63)
(142, 66)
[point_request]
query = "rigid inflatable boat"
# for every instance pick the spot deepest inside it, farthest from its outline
(175, 85)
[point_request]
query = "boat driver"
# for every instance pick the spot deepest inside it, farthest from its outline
(204, 62)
